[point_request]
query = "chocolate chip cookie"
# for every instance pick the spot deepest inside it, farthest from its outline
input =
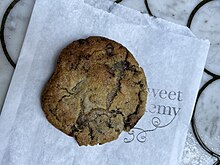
(96, 91)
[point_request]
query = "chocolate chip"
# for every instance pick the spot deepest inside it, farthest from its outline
(82, 41)
(109, 50)
(72, 66)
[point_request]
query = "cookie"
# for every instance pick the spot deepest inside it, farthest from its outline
(96, 91)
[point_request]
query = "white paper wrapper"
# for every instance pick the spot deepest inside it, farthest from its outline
(173, 64)
(135, 17)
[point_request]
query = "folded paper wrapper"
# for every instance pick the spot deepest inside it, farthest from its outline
(173, 60)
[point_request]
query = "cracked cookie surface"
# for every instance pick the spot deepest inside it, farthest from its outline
(96, 91)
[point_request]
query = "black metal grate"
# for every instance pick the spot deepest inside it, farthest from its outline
(206, 85)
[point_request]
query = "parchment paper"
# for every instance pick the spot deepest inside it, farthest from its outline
(173, 64)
